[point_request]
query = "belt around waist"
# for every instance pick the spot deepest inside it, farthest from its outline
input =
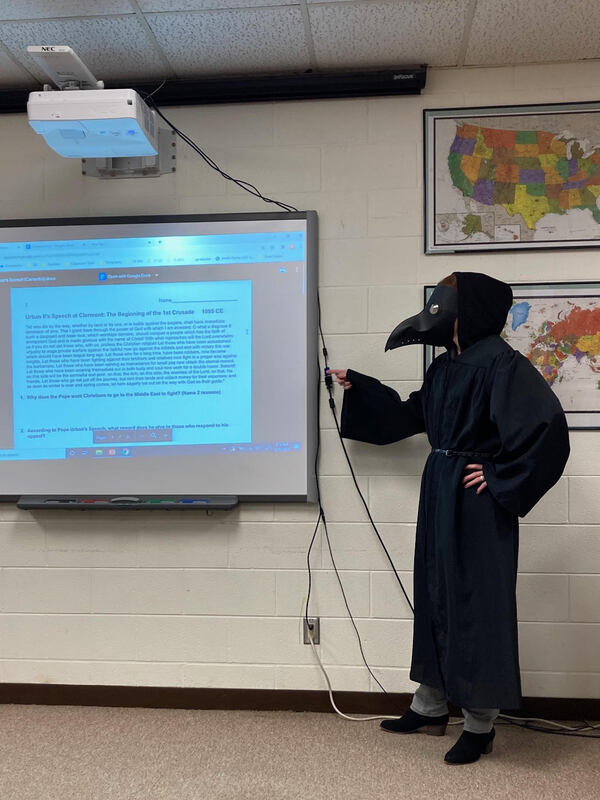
(466, 453)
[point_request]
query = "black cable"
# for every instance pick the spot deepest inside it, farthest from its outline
(329, 385)
(348, 607)
(245, 185)
(539, 729)
(323, 518)
(158, 88)
(312, 541)
(364, 502)
(308, 625)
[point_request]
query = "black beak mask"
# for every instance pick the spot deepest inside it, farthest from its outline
(434, 325)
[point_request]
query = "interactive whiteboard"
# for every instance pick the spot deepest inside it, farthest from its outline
(158, 355)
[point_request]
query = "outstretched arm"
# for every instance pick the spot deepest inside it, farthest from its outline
(375, 413)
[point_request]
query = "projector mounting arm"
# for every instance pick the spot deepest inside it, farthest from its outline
(64, 68)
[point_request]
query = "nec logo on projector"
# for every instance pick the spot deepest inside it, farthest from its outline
(104, 123)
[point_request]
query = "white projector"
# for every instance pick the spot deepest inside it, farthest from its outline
(96, 123)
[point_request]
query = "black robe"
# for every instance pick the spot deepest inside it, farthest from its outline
(488, 399)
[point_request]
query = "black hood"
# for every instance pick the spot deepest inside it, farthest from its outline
(483, 305)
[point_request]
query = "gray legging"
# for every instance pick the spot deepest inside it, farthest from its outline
(431, 702)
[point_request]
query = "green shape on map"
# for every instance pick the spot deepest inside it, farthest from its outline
(526, 137)
(590, 207)
(527, 162)
(553, 206)
(472, 224)
(536, 189)
(504, 193)
(459, 179)
(487, 170)
(562, 167)
(588, 199)
(587, 165)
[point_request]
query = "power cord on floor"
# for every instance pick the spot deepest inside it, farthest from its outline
(503, 719)
(330, 690)
(565, 730)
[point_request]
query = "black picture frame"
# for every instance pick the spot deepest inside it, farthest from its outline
(486, 190)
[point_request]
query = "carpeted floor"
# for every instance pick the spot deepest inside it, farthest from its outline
(72, 753)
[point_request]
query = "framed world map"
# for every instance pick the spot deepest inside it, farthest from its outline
(512, 177)
(557, 326)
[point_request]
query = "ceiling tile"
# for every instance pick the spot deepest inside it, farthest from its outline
(376, 33)
(516, 32)
(113, 48)
(11, 75)
(200, 5)
(48, 9)
(257, 40)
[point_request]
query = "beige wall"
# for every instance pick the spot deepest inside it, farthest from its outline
(189, 600)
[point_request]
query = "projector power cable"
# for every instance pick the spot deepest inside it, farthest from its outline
(245, 185)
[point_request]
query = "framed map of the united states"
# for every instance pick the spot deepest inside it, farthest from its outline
(512, 177)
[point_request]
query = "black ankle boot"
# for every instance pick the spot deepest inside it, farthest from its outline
(469, 747)
(412, 722)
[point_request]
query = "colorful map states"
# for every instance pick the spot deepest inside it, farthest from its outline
(531, 173)
(532, 206)
(576, 334)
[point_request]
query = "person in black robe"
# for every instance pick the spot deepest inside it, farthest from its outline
(499, 441)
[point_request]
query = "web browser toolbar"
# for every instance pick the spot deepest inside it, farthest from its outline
(163, 251)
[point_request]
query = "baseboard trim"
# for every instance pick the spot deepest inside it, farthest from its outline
(261, 700)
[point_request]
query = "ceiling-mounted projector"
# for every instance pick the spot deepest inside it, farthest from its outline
(113, 127)
(97, 123)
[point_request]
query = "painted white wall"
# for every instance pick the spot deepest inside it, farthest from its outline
(178, 599)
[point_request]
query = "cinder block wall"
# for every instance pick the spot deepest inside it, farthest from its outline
(194, 600)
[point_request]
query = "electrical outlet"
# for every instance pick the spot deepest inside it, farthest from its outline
(315, 629)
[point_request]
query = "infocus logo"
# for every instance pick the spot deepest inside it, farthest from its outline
(401, 76)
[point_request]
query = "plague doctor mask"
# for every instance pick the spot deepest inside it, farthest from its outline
(434, 325)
